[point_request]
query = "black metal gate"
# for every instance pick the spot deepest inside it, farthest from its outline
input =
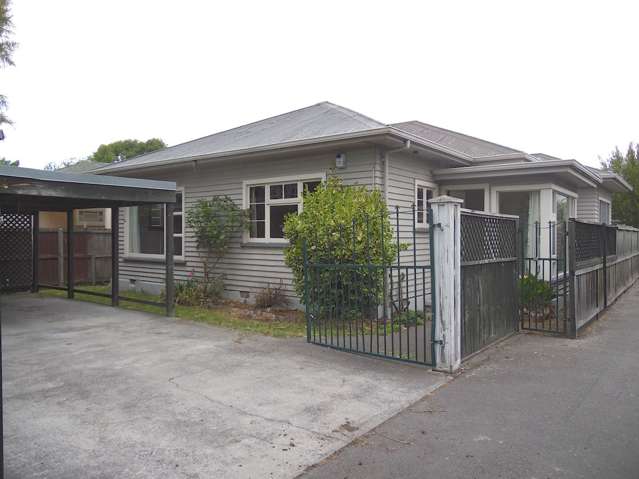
(380, 309)
(16, 252)
(488, 279)
(544, 284)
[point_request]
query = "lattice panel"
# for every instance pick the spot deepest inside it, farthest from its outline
(485, 238)
(16, 249)
(588, 241)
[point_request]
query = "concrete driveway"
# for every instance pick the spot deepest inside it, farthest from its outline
(93, 391)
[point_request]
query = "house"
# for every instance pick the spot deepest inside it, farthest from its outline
(264, 166)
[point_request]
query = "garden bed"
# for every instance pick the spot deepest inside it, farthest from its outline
(275, 322)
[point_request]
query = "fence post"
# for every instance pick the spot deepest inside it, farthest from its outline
(92, 269)
(306, 312)
(446, 266)
(604, 259)
(60, 257)
(572, 262)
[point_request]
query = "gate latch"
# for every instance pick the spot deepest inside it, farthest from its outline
(438, 341)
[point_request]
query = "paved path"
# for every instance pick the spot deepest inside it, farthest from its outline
(535, 407)
(94, 391)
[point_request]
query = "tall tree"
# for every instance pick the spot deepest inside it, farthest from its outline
(125, 149)
(625, 206)
(5, 162)
(7, 46)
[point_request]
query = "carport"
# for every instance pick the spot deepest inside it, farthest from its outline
(25, 192)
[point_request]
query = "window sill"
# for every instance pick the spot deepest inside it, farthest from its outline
(260, 244)
(152, 259)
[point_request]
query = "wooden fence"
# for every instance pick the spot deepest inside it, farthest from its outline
(92, 257)
(606, 263)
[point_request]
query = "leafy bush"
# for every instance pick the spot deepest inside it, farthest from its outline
(271, 297)
(214, 223)
(194, 292)
(535, 291)
(344, 226)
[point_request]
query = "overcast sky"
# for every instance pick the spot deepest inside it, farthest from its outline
(556, 77)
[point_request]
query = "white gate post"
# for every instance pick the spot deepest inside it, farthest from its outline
(446, 231)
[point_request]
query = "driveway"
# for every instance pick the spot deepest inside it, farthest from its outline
(533, 407)
(93, 391)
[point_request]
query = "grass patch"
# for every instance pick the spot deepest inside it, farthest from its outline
(218, 316)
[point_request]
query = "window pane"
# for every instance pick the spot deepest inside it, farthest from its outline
(257, 213)
(429, 194)
(561, 207)
(420, 193)
(290, 190)
(256, 194)
(311, 186)
(177, 244)
(474, 200)
(257, 229)
(277, 219)
(146, 229)
(177, 224)
(420, 216)
(178, 202)
(276, 192)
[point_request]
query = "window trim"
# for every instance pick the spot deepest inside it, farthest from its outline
(609, 203)
(471, 186)
(267, 182)
(426, 185)
(151, 256)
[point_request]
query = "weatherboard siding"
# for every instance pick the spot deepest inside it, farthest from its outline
(588, 203)
(404, 170)
(247, 267)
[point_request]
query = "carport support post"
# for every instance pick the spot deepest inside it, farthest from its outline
(447, 270)
(169, 250)
(115, 256)
(70, 258)
(36, 251)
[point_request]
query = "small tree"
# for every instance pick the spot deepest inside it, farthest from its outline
(344, 226)
(215, 222)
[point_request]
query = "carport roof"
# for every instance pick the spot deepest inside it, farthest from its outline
(26, 189)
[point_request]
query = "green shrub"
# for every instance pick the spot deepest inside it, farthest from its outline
(341, 225)
(194, 292)
(535, 291)
(271, 297)
(215, 223)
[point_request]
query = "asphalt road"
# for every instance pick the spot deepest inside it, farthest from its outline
(534, 407)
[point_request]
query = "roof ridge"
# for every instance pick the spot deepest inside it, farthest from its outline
(220, 132)
(351, 113)
(514, 150)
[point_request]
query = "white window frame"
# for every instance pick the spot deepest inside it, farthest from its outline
(267, 182)
(609, 203)
(425, 185)
(128, 254)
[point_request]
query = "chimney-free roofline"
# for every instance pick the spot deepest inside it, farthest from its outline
(449, 153)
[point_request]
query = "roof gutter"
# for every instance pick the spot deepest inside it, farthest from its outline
(585, 173)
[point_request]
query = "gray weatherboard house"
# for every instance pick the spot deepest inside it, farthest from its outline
(410, 162)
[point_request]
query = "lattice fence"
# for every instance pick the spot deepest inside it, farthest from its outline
(589, 241)
(16, 250)
(487, 237)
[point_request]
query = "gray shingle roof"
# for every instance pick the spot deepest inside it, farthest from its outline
(82, 166)
(471, 146)
(545, 157)
(321, 120)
